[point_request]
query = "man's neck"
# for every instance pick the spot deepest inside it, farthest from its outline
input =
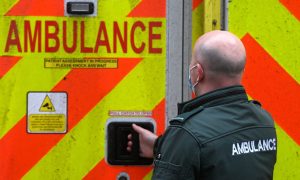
(208, 88)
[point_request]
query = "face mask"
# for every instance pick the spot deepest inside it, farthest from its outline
(191, 85)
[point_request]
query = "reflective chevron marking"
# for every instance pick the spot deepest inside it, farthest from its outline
(281, 96)
(6, 5)
(6, 63)
(92, 89)
(17, 82)
(158, 9)
(196, 3)
(293, 6)
(36, 146)
(278, 33)
(37, 8)
(80, 146)
(274, 30)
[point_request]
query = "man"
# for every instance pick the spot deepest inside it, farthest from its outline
(220, 134)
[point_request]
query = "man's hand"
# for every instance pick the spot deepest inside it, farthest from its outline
(147, 140)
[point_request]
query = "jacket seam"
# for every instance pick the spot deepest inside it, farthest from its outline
(189, 132)
(232, 132)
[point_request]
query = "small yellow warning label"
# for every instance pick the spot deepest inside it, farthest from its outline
(47, 105)
(81, 63)
(47, 112)
(41, 123)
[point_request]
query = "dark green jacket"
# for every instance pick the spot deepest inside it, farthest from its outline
(220, 135)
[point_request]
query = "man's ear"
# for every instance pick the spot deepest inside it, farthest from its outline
(200, 71)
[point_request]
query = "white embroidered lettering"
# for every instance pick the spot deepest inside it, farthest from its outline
(247, 147)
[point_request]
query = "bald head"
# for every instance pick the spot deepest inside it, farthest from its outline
(220, 53)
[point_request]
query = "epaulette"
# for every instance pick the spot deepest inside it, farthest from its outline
(182, 118)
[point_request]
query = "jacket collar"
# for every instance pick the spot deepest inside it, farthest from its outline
(214, 98)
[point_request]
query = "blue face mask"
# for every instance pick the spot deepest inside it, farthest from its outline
(191, 85)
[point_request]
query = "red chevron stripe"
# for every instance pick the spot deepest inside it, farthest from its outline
(159, 116)
(37, 8)
(293, 6)
(154, 8)
(196, 3)
(149, 8)
(20, 151)
(6, 63)
(268, 82)
(104, 171)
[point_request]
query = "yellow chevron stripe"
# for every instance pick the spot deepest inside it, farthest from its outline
(142, 89)
(197, 23)
(212, 12)
(288, 159)
(123, 9)
(28, 75)
(6, 5)
(273, 26)
(148, 176)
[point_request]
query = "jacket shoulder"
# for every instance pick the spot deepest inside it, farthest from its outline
(182, 118)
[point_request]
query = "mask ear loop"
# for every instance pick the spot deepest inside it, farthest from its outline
(198, 77)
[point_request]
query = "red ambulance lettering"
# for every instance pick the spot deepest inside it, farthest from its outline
(84, 49)
(51, 25)
(118, 36)
(53, 36)
(33, 39)
(102, 42)
(153, 36)
(72, 48)
(141, 26)
(13, 37)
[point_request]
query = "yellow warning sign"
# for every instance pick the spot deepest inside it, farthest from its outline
(81, 63)
(42, 116)
(47, 105)
(41, 123)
